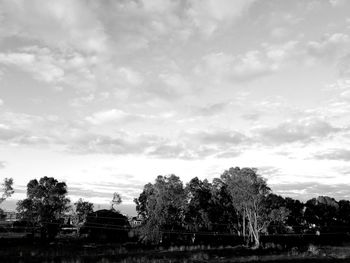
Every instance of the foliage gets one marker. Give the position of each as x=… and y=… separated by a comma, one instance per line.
x=248, y=191
x=322, y=212
x=7, y=189
x=83, y=208
x=197, y=213
x=45, y=204
x=276, y=214
x=161, y=205
x=117, y=200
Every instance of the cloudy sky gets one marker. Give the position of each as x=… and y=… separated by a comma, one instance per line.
x=106, y=95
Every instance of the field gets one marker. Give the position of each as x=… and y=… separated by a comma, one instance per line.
x=78, y=253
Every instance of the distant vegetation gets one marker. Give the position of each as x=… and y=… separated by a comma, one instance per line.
x=6, y=191
x=236, y=208
x=238, y=204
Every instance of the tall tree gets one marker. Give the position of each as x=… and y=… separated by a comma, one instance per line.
x=6, y=189
x=161, y=205
x=45, y=204
x=248, y=191
x=296, y=214
x=199, y=204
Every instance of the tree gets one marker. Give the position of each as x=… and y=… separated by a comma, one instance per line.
x=322, y=212
x=83, y=208
x=209, y=208
x=197, y=211
x=45, y=204
x=296, y=215
x=248, y=191
x=161, y=205
x=227, y=218
x=276, y=214
x=117, y=200
x=7, y=189
x=344, y=212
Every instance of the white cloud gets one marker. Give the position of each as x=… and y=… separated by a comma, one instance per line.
x=176, y=84
x=208, y=15
x=113, y=115
x=302, y=130
x=80, y=101
x=131, y=76
x=337, y=3
x=331, y=47
x=54, y=67
x=42, y=67
x=333, y=154
x=247, y=66
x=64, y=24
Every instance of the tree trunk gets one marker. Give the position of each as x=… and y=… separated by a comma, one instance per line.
x=244, y=231
x=253, y=229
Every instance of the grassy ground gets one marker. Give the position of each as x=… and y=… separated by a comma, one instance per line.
x=78, y=253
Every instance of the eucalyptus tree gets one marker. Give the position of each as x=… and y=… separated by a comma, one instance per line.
x=197, y=212
x=6, y=189
x=248, y=191
x=45, y=204
x=161, y=205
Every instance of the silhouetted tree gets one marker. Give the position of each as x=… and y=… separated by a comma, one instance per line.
x=198, y=205
x=276, y=214
x=322, y=212
x=344, y=213
x=225, y=215
x=117, y=200
x=82, y=209
x=45, y=204
x=296, y=214
x=6, y=189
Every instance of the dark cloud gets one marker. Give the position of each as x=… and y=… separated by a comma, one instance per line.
x=221, y=138
x=308, y=190
x=334, y=154
x=344, y=170
x=290, y=132
x=119, y=144
x=344, y=66
x=210, y=109
x=189, y=145
x=7, y=134
x=251, y=116
x=21, y=137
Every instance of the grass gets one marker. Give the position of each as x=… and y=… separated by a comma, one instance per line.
x=78, y=253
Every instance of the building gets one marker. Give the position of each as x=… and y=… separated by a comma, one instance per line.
x=135, y=221
x=10, y=216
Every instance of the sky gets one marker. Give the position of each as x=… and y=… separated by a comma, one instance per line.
x=107, y=95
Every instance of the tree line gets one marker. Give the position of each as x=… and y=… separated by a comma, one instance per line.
x=239, y=204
